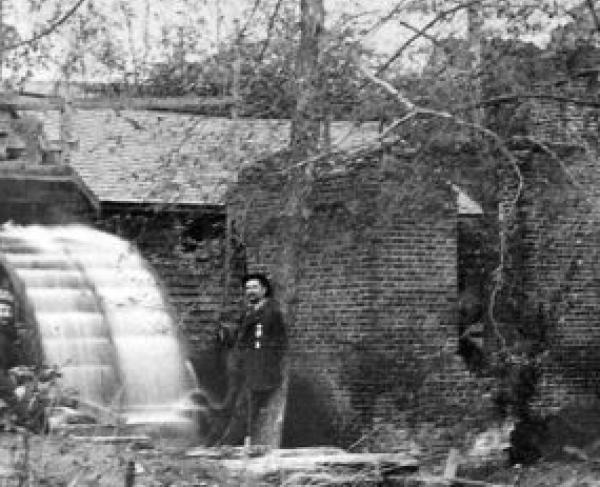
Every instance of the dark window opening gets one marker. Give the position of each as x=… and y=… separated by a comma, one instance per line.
x=476, y=261
x=197, y=230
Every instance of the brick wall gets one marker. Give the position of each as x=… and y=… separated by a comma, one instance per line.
x=560, y=272
x=564, y=119
x=554, y=250
x=554, y=257
x=365, y=266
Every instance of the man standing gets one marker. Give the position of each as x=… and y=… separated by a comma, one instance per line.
x=259, y=344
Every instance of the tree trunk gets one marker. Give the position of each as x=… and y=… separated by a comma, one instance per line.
x=475, y=25
x=304, y=137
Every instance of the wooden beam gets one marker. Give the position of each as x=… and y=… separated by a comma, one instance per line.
x=179, y=104
x=114, y=439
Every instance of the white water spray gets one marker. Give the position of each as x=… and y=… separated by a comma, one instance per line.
x=102, y=318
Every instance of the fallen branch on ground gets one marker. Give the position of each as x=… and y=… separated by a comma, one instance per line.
x=454, y=482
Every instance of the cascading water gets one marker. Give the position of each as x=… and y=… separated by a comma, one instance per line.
x=102, y=318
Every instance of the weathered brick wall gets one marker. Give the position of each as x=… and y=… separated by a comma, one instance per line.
x=554, y=247
x=560, y=272
x=364, y=262
x=563, y=116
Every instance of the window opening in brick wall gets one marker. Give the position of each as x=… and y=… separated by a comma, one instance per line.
x=195, y=231
x=472, y=278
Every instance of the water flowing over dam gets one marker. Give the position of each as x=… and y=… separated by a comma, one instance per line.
x=101, y=318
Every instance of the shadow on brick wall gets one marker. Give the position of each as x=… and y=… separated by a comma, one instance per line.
x=210, y=366
x=309, y=420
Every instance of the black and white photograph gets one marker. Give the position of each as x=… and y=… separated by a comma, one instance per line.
x=286, y=243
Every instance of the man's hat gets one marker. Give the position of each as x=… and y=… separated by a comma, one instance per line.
x=264, y=281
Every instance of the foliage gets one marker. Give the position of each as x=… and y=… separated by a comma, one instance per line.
x=30, y=392
x=266, y=82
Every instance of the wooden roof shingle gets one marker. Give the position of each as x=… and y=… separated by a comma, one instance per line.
x=164, y=157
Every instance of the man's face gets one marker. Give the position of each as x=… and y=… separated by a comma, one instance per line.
x=254, y=290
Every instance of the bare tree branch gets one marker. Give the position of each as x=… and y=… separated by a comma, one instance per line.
x=421, y=32
x=430, y=38
x=389, y=16
x=270, y=26
x=347, y=19
x=146, y=33
x=240, y=35
x=48, y=29
x=127, y=14
x=386, y=18
x=592, y=7
x=409, y=105
x=396, y=123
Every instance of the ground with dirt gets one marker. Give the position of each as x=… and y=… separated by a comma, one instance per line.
x=66, y=461
x=57, y=461
x=550, y=474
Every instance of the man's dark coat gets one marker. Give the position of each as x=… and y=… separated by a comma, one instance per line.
x=260, y=355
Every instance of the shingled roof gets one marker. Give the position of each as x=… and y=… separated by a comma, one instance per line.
x=164, y=157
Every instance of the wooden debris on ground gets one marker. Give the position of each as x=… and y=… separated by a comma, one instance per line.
x=296, y=466
x=328, y=466
x=113, y=439
x=441, y=481
x=449, y=478
x=452, y=462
